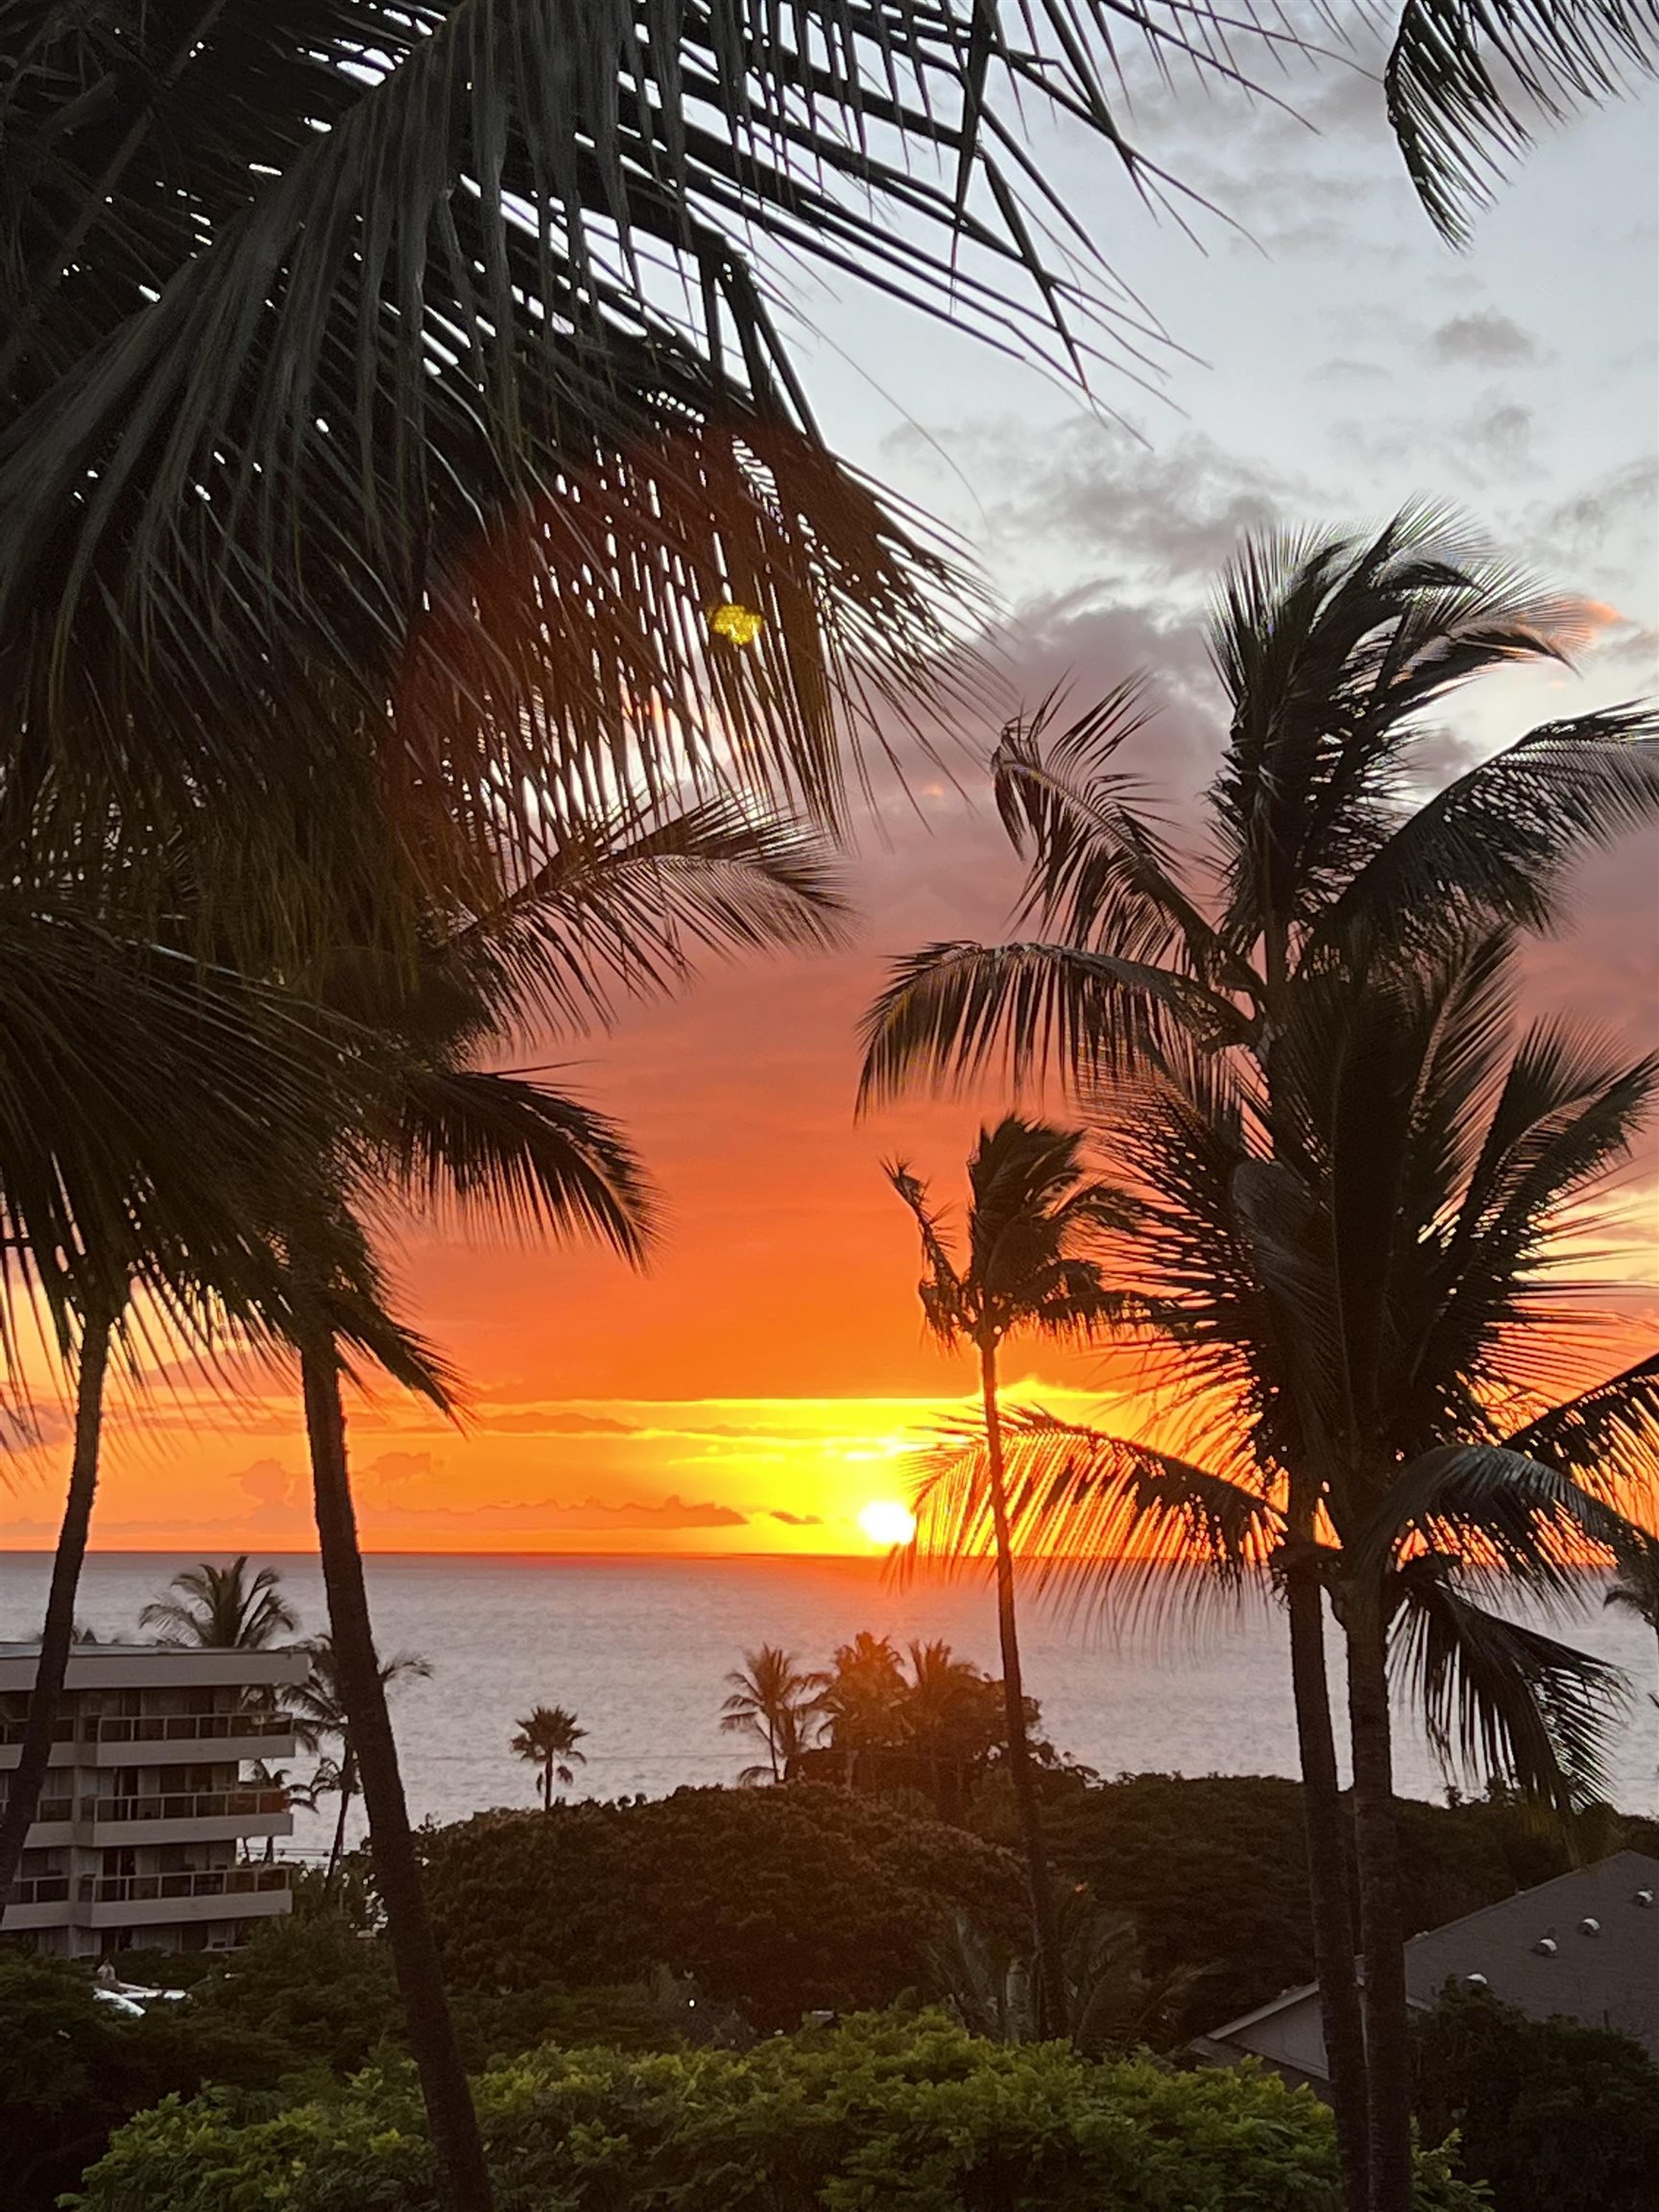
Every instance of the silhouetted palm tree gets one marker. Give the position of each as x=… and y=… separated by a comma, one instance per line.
x=1330, y=649
x=223, y=1608
x=773, y=1699
x=1383, y=1309
x=156, y=1115
x=320, y=1717
x=547, y=1739
x=1034, y=1213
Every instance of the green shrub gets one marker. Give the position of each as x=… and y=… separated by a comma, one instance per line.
x=886, y=2115
x=1555, y=2116
x=782, y=1901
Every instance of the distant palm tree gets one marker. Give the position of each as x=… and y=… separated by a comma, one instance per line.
x=776, y=1701
x=862, y=1699
x=1635, y=1587
x=320, y=1717
x=1033, y=1214
x=547, y=1738
x=262, y=1776
x=223, y=1608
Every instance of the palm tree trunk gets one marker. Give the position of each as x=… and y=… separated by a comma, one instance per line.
x=1331, y=1902
x=444, y=2086
x=1377, y=1867
x=57, y=1630
x=348, y=1790
x=1045, y=1923
x=547, y=1786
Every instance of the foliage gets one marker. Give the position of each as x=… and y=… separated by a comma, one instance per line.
x=223, y=1608
x=776, y=1701
x=1555, y=2116
x=1212, y=1870
x=883, y=2114
x=778, y=1901
x=546, y=1739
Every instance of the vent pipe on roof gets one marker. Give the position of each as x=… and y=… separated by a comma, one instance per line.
x=1545, y=1946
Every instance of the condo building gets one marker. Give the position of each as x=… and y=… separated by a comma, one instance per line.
x=152, y=1832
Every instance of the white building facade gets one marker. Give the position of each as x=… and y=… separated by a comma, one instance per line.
x=150, y=1835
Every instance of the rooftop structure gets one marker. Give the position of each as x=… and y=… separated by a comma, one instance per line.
x=1584, y=1946
x=146, y=1802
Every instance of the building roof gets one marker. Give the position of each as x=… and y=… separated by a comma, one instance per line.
x=153, y=1666
x=1585, y=1945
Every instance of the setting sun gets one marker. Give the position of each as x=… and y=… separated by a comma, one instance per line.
x=884, y=1521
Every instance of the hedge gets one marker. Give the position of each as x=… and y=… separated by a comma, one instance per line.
x=887, y=2113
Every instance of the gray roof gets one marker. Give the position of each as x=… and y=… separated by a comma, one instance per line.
x=1606, y=1975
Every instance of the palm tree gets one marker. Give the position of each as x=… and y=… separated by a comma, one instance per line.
x=223, y=1608
x=620, y=898
x=1033, y=1216
x=152, y=1109
x=320, y=1718
x=547, y=1738
x=1330, y=650
x=1384, y=1309
x=290, y=414
x=773, y=1699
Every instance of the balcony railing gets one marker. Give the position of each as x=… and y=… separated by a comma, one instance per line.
x=40, y=1890
x=184, y=1805
x=158, y=1727
x=50, y=1808
x=206, y=1882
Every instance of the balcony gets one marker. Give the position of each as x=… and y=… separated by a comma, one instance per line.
x=160, y=1728
x=184, y=1805
x=40, y=1890
x=204, y=1882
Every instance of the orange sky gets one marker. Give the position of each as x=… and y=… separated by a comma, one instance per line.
x=757, y=1387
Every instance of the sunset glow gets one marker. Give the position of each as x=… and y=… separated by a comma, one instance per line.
x=885, y=1521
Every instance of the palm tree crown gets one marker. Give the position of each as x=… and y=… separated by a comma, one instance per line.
x=223, y=1608
x=775, y=1700
x=547, y=1738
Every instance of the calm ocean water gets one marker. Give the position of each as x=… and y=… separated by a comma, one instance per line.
x=640, y=1648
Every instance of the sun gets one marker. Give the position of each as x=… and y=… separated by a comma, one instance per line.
x=884, y=1521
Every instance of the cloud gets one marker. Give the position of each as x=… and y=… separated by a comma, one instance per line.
x=798, y=1520
x=392, y=1470
x=528, y=1515
x=28, y=1426
x=269, y=1482
x=1486, y=340
x=536, y=1423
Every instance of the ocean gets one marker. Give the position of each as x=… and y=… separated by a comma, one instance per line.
x=640, y=1648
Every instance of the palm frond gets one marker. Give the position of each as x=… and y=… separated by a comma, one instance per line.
x=1464, y=76
x=1105, y=1525
x=1607, y=1437
x=1506, y=1700
x=951, y=1012
x=1494, y=845
x=1495, y=1509
x=503, y=1148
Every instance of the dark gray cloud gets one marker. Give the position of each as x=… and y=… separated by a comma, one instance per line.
x=798, y=1520
x=1485, y=338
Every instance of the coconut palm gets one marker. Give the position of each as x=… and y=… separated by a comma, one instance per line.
x=156, y=1114
x=862, y=1699
x=320, y=1718
x=1033, y=1214
x=547, y=1739
x=1330, y=649
x=621, y=898
x=1384, y=1310
x=378, y=351
x=773, y=1699
x=223, y=1608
